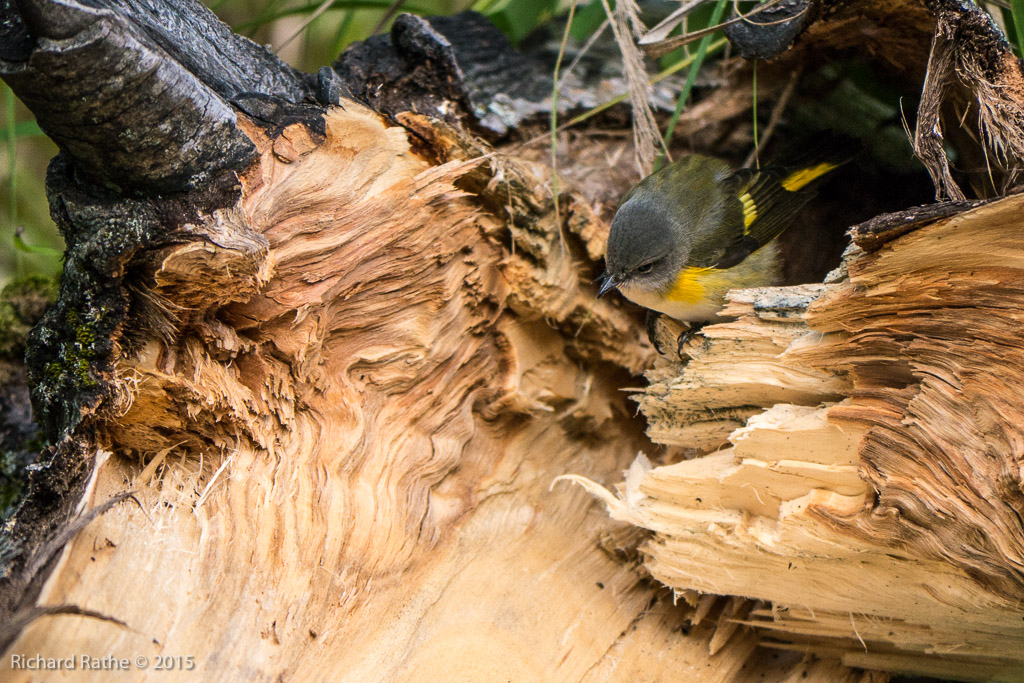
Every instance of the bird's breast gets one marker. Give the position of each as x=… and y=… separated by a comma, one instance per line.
x=698, y=294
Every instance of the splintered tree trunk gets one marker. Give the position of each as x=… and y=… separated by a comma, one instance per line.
x=339, y=465
x=338, y=362
x=338, y=349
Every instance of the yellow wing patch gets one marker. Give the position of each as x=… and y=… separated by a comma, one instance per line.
x=749, y=210
x=798, y=179
x=688, y=288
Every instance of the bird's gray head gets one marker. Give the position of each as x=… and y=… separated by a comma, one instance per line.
x=646, y=247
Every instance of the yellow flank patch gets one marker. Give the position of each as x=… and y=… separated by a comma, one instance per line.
x=749, y=209
x=688, y=288
x=798, y=179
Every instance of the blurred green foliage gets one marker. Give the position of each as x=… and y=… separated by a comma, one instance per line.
x=22, y=304
x=29, y=242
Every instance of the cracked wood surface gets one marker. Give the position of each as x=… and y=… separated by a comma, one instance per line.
x=343, y=446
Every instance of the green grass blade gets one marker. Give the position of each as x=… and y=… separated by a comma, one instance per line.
x=341, y=36
x=28, y=129
x=757, y=143
x=12, y=167
x=554, y=115
x=10, y=130
x=21, y=245
x=662, y=75
x=1017, y=10
x=691, y=76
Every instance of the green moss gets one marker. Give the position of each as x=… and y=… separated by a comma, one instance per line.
x=73, y=365
x=53, y=371
x=22, y=305
x=84, y=335
x=82, y=367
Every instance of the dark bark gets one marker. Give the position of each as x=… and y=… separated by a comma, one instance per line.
x=426, y=65
x=872, y=234
x=772, y=31
x=138, y=94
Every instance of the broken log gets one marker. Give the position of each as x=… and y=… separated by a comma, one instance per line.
x=336, y=369
x=337, y=348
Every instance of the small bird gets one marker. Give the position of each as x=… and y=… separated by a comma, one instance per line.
x=690, y=232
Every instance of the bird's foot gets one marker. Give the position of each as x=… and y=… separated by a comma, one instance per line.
x=651, y=323
x=662, y=330
x=686, y=336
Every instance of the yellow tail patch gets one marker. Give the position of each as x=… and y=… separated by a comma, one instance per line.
x=688, y=288
x=798, y=179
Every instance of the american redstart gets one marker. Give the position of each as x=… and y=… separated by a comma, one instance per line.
x=690, y=232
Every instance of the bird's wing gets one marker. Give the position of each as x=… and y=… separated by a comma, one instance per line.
x=768, y=198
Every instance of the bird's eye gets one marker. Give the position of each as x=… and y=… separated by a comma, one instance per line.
x=645, y=268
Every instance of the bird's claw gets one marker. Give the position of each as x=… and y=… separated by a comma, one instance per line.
x=651, y=323
x=686, y=336
x=669, y=327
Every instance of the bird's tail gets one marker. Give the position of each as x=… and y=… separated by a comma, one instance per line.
x=820, y=154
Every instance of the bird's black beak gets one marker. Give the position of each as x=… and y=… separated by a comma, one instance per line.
x=607, y=283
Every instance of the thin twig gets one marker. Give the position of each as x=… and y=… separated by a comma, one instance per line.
x=646, y=138
x=554, y=123
x=776, y=116
x=618, y=99
x=666, y=25
x=21, y=619
x=324, y=6
x=46, y=552
x=663, y=47
x=586, y=48
x=390, y=12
